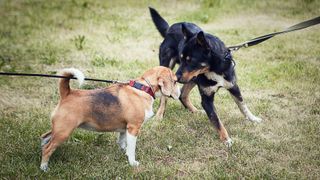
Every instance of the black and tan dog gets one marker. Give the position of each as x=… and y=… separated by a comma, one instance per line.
x=120, y=107
x=204, y=61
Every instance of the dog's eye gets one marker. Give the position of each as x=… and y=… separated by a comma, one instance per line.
x=181, y=55
x=188, y=58
x=203, y=64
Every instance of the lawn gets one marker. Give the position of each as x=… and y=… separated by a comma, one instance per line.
x=279, y=79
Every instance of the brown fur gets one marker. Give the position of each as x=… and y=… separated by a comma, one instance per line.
x=115, y=108
x=185, y=93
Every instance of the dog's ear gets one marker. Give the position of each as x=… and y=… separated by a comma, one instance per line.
x=164, y=86
x=201, y=40
x=186, y=33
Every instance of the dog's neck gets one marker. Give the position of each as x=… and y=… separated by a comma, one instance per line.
x=147, y=86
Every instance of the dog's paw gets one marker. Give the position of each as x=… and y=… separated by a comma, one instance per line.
x=254, y=119
x=134, y=163
x=228, y=142
x=44, y=167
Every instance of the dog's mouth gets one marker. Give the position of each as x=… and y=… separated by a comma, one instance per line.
x=191, y=76
x=184, y=81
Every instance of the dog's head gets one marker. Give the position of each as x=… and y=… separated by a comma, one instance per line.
x=164, y=82
x=198, y=54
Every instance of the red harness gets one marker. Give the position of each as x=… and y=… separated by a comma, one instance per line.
x=142, y=87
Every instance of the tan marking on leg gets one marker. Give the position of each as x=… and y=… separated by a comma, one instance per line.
x=224, y=136
x=185, y=91
x=223, y=133
x=162, y=107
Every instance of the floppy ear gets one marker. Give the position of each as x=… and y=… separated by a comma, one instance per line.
x=186, y=33
x=164, y=87
x=201, y=40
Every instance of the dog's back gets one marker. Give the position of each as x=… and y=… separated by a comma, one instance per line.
x=173, y=38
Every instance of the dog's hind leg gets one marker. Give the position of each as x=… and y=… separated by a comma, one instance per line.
x=60, y=133
x=184, y=97
x=237, y=97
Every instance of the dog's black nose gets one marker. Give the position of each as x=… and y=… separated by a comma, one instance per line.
x=179, y=75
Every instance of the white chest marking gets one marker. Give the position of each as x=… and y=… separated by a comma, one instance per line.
x=148, y=112
x=221, y=82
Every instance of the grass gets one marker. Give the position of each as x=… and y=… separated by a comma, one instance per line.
x=117, y=40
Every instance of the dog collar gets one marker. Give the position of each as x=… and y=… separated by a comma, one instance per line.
x=142, y=87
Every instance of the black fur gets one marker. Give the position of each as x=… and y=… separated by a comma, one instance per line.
x=101, y=101
x=185, y=43
x=173, y=38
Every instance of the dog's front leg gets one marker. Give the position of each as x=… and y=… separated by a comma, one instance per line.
x=131, y=137
x=237, y=97
x=184, y=97
x=208, y=106
x=162, y=107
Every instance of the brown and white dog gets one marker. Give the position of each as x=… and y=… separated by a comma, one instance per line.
x=121, y=107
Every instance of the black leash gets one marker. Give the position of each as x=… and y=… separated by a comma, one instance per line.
x=249, y=43
x=58, y=76
x=260, y=39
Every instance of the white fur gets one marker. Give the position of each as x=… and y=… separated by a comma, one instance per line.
x=131, y=149
x=245, y=111
x=221, y=82
x=44, y=166
x=228, y=142
x=177, y=92
x=148, y=113
x=76, y=73
x=172, y=62
x=158, y=94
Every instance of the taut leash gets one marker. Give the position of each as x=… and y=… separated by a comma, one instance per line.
x=58, y=76
x=260, y=39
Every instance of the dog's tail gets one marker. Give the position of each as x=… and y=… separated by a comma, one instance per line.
x=159, y=22
x=64, y=87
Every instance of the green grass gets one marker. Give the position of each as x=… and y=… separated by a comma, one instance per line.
x=117, y=40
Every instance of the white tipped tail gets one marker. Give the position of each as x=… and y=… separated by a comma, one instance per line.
x=75, y=73
x=64, y=87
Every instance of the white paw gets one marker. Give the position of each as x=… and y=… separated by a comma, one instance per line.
x=228, y=142
x=134, y=163
x=254, y=119
x=44, y=167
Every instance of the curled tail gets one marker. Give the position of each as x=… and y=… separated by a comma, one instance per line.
x=64, y=88
x=159, y=22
